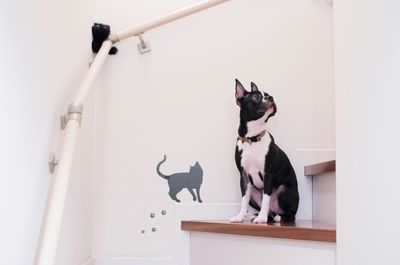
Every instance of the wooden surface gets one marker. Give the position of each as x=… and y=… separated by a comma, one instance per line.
x=320, y=168
x=302, y=230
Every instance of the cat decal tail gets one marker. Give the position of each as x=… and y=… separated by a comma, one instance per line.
x=158, y=168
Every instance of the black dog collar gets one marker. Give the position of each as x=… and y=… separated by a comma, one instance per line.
x=253, y=139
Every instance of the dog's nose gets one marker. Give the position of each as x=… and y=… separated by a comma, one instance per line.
x=269, y=97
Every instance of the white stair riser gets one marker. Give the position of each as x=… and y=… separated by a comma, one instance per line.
x=216, y=249
x=324, y=197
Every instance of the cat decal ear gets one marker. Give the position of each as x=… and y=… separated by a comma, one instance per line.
x=240, y=92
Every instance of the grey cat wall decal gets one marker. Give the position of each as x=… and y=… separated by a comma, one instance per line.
x=191, y=181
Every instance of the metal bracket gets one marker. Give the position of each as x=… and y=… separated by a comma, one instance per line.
x=53, y=162
x=74, y=113
x=143, y=46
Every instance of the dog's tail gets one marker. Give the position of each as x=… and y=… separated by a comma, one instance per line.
x=158, y=168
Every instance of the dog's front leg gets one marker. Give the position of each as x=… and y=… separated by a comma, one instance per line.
x=263, y=214
x=244, y=206
x=267, y=191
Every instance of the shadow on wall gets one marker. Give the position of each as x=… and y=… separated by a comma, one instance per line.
x=191, y=181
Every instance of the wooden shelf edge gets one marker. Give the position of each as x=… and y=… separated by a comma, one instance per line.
x=302, y=230
x=320, y=168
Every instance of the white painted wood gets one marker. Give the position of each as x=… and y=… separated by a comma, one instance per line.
x=215, y=249
x=212, y=211
x=324, y=197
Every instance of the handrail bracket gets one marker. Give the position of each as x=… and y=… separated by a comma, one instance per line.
x=74, y=113
x=143, y=46
x=53, y=162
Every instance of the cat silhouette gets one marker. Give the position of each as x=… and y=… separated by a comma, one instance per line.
x=191, y=181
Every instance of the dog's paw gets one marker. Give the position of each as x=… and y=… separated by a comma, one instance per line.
x=261, y=219
x=277, y=218
x=237, y=219
x=250, y=217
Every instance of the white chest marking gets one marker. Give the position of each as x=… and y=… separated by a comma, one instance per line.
x=253, y=158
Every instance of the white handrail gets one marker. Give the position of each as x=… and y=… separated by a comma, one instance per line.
x=93, y=71
x=48, y=242
x=184, y=12
x=55, y=208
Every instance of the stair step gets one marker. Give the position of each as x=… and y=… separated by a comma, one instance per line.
x=302, y=230
x=320, y=168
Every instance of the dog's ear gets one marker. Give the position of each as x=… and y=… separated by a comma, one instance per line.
x=253, y=87
x=240, y=92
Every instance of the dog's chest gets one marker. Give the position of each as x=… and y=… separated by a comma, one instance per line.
x=253, y=158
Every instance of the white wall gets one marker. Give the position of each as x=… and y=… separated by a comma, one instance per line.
x=367, y=57
x=45, y=52
x=179, y=100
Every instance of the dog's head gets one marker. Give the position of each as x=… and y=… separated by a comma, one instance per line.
x=255, y=104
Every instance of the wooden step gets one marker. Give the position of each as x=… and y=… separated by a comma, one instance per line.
x=302, y=230
x=320, y=168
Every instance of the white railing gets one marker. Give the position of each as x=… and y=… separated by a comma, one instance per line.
x=47, y=246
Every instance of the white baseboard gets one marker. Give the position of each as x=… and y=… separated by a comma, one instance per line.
x=88, y=261
x=181, y=254
x=133, y=261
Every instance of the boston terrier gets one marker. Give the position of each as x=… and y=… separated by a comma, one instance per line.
x=267, y=179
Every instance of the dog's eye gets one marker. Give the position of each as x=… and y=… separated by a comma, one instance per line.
x=257, y=98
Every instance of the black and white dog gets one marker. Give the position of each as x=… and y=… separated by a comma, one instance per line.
x=268, y=181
